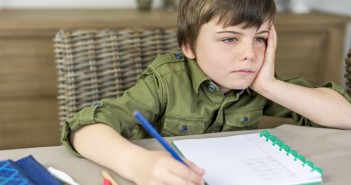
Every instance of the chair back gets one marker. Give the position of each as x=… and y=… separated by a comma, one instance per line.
x=93, y=64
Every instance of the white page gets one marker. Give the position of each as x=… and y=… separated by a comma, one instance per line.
x=245, y=159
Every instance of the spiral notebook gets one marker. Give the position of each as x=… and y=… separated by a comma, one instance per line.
x=258, y=158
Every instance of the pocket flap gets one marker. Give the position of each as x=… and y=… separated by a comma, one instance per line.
x=175, y=126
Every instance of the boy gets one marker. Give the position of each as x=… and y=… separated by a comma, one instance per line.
x=224, y=82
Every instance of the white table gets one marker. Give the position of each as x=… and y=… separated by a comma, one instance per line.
x=329, y=149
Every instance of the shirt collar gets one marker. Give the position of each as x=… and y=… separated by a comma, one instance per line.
x=197, y=75
x=248, y=91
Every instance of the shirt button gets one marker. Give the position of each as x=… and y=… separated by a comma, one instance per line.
x=245, y=120
x=178, y=55
x=95, y=104
x=184, y=128
x=211, y=88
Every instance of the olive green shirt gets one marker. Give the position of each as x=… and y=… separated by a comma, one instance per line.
x=179, y=99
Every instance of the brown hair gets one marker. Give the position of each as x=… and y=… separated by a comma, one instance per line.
x=192, y=14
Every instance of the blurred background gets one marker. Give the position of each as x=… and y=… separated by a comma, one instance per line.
x=314, y=37
x=341, y=7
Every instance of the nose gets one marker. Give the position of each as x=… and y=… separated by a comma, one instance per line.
x=248, y=53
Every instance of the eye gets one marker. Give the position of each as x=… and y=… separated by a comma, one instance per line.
x=261, y=39
x=230, y=40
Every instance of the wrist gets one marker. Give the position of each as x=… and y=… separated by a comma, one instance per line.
x=265, y=88
x=134, y=157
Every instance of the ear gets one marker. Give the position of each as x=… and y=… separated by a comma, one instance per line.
x=188, y=52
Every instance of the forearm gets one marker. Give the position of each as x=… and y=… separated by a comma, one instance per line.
x=320, y=105
x=103, y=145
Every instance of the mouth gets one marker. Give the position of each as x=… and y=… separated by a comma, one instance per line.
x=244, y=72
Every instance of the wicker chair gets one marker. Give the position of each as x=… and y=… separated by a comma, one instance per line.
x=95, y=64
x=348, y=72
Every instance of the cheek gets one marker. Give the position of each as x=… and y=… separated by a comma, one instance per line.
x=260, y=53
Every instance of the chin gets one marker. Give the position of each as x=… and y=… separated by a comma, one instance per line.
x=244, y=85
x=239, y=83
x=241, y=86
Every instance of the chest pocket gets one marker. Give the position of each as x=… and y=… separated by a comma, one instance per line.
x=175, y=126
x=241, y=120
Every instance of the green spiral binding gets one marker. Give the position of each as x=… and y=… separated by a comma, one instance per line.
x=286, y=148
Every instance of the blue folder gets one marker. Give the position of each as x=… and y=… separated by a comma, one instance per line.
x=26, y=171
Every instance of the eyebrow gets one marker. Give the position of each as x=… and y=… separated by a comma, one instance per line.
x=235, y=32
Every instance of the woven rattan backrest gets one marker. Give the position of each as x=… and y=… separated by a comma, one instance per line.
x=95, y=64
x=348, y=72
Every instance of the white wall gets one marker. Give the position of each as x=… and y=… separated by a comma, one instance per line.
x=336, y=6
x=18, y=4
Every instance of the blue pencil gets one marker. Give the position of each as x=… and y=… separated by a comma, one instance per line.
x=152, y=131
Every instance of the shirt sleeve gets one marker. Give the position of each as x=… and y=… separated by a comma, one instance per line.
x=276, y=110
x=146, y=96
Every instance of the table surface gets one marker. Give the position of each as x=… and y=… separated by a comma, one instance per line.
x=329, y=149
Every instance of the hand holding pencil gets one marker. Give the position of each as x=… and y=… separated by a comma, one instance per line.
x=153, y=132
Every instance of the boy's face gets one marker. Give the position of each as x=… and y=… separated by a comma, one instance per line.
x=230, y=56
